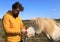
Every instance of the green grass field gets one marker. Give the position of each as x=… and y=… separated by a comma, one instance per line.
x=27, y=23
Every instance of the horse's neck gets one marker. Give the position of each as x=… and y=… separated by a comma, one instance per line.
x=49, y=29
x=56, y=30
x=56, y=33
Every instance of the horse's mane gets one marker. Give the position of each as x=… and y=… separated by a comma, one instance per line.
x=41, y=24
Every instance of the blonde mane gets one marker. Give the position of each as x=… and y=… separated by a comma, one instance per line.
x=41, y=24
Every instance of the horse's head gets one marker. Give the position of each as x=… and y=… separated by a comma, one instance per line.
x=37, y=26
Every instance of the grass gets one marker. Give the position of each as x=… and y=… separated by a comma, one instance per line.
x=37, y=38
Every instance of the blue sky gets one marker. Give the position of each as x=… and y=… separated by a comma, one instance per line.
x=33, y=8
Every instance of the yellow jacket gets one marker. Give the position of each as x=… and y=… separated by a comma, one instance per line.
x=12, y=27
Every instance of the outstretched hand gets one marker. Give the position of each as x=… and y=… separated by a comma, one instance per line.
x=29, y=32
x=24, y=30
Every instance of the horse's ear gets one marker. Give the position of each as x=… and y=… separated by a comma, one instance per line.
x=33, y=18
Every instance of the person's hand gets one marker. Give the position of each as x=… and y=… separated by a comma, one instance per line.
x=23, y=31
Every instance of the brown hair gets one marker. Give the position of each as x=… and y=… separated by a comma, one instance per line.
x=17, y=5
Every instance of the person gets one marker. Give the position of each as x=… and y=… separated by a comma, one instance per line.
x=12, y=23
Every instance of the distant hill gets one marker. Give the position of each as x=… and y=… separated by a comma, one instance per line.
x=29, y=20
x=57, y=19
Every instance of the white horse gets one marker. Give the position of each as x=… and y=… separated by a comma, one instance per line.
x=48, y=26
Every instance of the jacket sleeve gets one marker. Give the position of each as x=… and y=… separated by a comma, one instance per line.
x=6, y=26
x=21, y=24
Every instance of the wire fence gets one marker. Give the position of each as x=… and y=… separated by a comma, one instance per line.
x=34, y=39
x=31, y=39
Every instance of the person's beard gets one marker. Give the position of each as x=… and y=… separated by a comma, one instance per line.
x=15, y=15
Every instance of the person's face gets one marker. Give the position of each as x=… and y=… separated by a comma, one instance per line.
x=16, y=11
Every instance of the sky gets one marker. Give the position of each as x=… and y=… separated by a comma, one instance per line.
x=33, y=8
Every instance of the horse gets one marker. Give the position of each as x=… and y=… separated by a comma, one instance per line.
x=48, y=26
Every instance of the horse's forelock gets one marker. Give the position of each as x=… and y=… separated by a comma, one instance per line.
x=38, y=23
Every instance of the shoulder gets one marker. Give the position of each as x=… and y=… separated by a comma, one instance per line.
x=6, y=16
x=9, y=13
